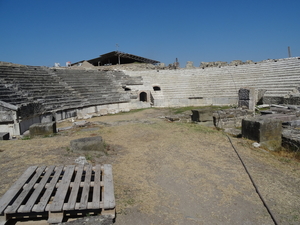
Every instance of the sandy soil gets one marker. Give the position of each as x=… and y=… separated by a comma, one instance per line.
x=171, y=172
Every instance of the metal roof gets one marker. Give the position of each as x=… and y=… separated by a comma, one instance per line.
x=116, y=57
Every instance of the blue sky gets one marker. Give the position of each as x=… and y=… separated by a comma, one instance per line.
x=43, y=32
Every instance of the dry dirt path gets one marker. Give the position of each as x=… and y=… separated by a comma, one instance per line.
x=172, y=173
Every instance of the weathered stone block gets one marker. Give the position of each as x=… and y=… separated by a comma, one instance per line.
x=38, y=129
x=4, y=136
x=202, y=115
x=88, y=144
x=244, y=94
x=273, y=100
x=267, y=132
x=281, y=117
x=294, y=100
x=244, y=103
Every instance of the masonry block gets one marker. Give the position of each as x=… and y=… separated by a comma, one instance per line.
x=244, y=103
x=44, y=129
x=244, y=94
x=265, y=131
x=88, y=144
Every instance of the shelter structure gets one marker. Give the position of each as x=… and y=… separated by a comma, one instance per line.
x=117, y=57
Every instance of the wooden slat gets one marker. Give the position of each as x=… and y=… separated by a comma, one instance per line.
x=44, y=200
x=11, y=193
x=28, y=206
x=56, y=190
x=13, y=208
x=75, y=188
x=108, y=189
x=62, y=190
x=97, y=188
x=86, y=188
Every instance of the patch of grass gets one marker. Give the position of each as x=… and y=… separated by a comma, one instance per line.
x=26, y=138
x=189, y=108
x=182, y=109
x=129, y=201
x=285, y=160
x=88, y=157
x=49, y=135
x=198, y=127
x=286, y=156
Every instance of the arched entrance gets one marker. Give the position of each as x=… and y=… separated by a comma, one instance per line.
x=143, y=97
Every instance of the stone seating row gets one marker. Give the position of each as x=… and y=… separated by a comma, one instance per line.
x=277, y=77
x=53, y=92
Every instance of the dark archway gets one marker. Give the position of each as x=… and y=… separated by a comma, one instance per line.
x=143, y=97
x=156, y=88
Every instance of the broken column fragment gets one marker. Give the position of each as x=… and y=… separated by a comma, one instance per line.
x=265, y=131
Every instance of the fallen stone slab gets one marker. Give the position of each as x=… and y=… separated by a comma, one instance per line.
x=64, y=128
x=4, y=136
x=265, y=112
x=291, y=139
x=80, y=123
x=282, y=110
x=281, y=117
x=265, y=131
x=279, y=106
x=262, y=106
x=294, y=107
x=44, y=129
x=88, y=144
x=293, y=123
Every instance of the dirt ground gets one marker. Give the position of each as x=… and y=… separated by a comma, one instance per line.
x=171, y=173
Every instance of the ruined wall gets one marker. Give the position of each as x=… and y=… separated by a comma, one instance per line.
x=61, y=94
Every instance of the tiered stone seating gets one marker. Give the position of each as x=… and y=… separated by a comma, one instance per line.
x=28, y=84
x=278, y=77
x=97, y=87
x=62, y=88
x=10, y=96
x=67, y=88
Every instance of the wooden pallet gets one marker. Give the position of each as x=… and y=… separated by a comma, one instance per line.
x=56, y=192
